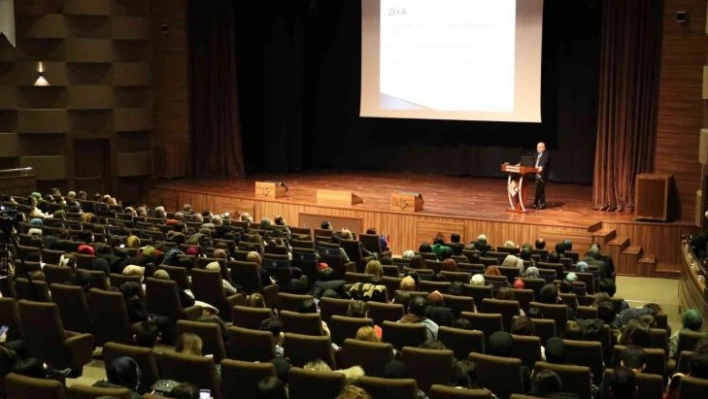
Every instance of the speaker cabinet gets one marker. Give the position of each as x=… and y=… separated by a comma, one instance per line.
x=651, y=198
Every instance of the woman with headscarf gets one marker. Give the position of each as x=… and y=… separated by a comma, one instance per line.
x=122, y=372
x=692, y=321
x=531, y=272
x=513, y=261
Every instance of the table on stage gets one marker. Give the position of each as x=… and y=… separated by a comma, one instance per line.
x=515, y=185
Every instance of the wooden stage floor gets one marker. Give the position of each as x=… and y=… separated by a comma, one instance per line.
x=452, y=204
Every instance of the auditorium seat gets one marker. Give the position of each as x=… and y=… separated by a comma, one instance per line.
x=116, y=280
x=380, y=312
x=478, y=293
x=73, y=308
x=57, y=274
x=333, y=306
x=458, y=304
x=525, y=297
x=585, y=353
x=488, y=323
x=371, y=356
x=291, y=302
x=301, y=349
x=428, y=366
x=20, y=387
x=439, y=391
x=508, y=309
x=656, y=359
x=240, y=379
x=527, y=349
x=210, y=333
x=247, y=317
x=207, y=287
x=557, y=313
x=311, y=384
x=500, y=375
x=250, y=345
x=462, y=277
x=576, y=379
x=198, y=370
x=343, y=327
x=163, y=299
x=110, y=317
x=387, y=388
x=461, y=342
x=403, y=334
x=10, y=316
x=144, y=357
x=649, y=386
x=37, y=291
x=177, y=274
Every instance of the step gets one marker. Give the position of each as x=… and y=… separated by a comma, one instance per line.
x=595, y=227
x=648, y=259
x=604, y=235
x=635, y=250
x=669, y=268
x=620, y=242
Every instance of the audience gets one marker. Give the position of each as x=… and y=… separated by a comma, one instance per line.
x=417, y=314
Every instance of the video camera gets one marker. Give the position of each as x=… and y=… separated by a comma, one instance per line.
x=9, y=219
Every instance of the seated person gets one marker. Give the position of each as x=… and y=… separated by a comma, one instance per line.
x=122, y=372
x=191, y=344
x=437, y=311
x=417, y=314
x=229, y=289
x=692, y=321
x=549, y=295
x=359, y=308
x=309, y=306
x=275, y=327
x=548, y=384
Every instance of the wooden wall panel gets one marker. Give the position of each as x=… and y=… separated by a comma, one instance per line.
x=427, y=229
x=680, y=106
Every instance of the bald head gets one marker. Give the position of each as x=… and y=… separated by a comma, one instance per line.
x=541, y=147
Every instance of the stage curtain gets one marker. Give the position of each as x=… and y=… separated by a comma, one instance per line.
x=629, y=91
x=216, y=128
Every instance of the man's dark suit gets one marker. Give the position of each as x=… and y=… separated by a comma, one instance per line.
x=541, y=160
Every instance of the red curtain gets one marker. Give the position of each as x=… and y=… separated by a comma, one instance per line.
x=217, y=150
x=629, y=90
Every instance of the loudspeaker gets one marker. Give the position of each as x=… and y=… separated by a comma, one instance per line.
x=651, y=198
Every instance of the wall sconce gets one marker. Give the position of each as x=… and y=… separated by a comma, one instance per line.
x=41, y=81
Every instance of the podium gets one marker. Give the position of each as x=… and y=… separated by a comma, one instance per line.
x=406, y=202
x=336, y=197
x=270, y=189
x=515, y=185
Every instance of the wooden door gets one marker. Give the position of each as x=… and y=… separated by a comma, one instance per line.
x=92, y=166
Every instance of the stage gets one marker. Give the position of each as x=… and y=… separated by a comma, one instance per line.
x=468, y=206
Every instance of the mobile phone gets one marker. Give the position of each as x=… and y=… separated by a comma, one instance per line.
x=122, y=245
x=204, y=394
x=3, y=330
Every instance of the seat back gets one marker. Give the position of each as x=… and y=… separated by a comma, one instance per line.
x=73, y=307
x=10, y=316
x=207, y=287
x=430, y=286
x=386, y=388
x=371, y=242
x=649, y=386
x=380, y=312
x=333, y=306
x=43, y=331
x=110, y=317
x=558, y=313
x=461, y=342
x=163, y=299
x=687, y=340
x=352, y=278
x=403, y=334
x=297, y=323
x=693, y=388
x=585, y=353
x=210, y=333
x=683, y=361
x=57, y=274
x=534, y=284
x=458, y=304
x=291, y=302
x=656, y=359
x=438, y=391
x=428, y=366
x=478, y=293
x=250, y=345
x=586, y=312
x=525, y=297
x=371, y=356
x=116, y=280
x=301, y=382
x=488, y=323
x=576, y=379
x=144, y=357
x=37, y=291
x=98, y=279
x=343, y=327
x=247, y=317
x=19, y=387
x=500, y=375
x=177, y=274
x=462, y=277
x=508, y=309
x=198, y=370
x=510, y=272
x=301, y=349
x=240, y=379
x=526, y=348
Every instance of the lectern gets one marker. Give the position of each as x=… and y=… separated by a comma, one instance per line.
x=515, y=184
x=406, y=202
x=270, y=189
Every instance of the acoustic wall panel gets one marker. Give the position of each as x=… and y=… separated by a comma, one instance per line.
x=7, y=97
x=50, y=26
x=88, y=26
x=134, y=164
x=95, y=74
x=27, y=72
x=90, y=97
x=38, y=97
x=8, y=73
x=91, y=122
x=44, y=50
x=42, y=121
x=131, y=7
x=89, y=50
x=50, y=167
x=131, y=74
x=8, y=145
x=130, y=28
x=132, y=119
x=87, y=7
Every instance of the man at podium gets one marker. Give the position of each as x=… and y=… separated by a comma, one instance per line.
x=541, y=163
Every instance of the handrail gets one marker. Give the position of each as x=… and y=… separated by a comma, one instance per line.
x=27, y=169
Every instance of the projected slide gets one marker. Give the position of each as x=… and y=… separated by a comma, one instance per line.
x=476, y=60
x=448, y=55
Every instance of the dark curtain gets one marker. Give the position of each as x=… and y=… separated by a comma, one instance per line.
x=629, y=86
x=216, y=131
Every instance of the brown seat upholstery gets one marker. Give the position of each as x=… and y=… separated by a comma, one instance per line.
x=247, y=317
x=656, y=359
x=391, y=283
x=310, y=384
x=51, y=256
x=508, y=309
x=57, y=274
x=350, y=277
x=198, y=370
x=528, y=349
x=569, y=299
x=510, y=272
x=37, y=291
x=20, y=387
x=544, y=329
x=78, y=391
x=478, y=293
x=488, y=323
x=333, y=306
x=343, y=327
x=163, y=299
x=387, y=388
x=353, y=250
x=10, y=316
x=462, y=277
x=428, y=366
x=403, y=334
x=447, y=392
x=683, y=361
x=687, y=341
x=604, y=337
x=576, y=379
x=46, y=339
x=240, y=379
x=380, y=312
x=371, y=356
x=110, y=317
x=589, y=280
x=499, y=374
x=250, y=345
x=558, y=313
x=291, y=302
x=177, y=274
x=534, y=284
x=301, y=349
x=210, y=333
x=461, y=342
x=458, y=304
x=525, y=297
x=73, y=307
x=298, y=323
x=430, y=286
x=373, y=244
x=693, y=388
x=116, y=280
x=586, y=313
x=98, y=279
x=207, y=287
x=650, y=386
x=144, y=357
x=471, y=268
x=585, y=353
